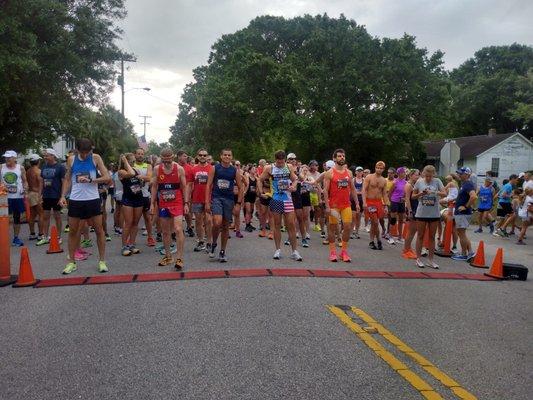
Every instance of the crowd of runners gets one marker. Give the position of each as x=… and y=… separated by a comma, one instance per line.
x=178, y=195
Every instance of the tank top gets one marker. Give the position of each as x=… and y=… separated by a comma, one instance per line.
x=252, y=185
x=399, y=192
x=132, y=188
x=143, y=168
x=168, y=187
x=224, y=181
x=12, y=179
x=281, y=181
x=358, y=185
x=119, y=190
x=485, y=197
x=339, y=189
x=83, y=191
x=414, y=203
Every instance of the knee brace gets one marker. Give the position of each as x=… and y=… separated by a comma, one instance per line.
x=393, y=221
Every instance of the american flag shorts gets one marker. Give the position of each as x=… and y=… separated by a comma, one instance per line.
x=281, y=206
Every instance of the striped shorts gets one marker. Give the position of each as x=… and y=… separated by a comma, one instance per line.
x=281, y=206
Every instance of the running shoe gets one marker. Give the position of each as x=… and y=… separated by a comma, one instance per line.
x=305, y=243
x=262, y=233
x=67, y=229
x=283, y=229
x=380, y=245
x=17, y=242
x=190, y=232
x=173, y=250
x=287, y=242
x=270, y=236
x=470, y=256
x=208, y=248
x=459, y=257
x=333, y=256
x=144, y=232
x=409, y=254
x=222, y=256
x=248, y=228
x=165, y=261
x=399, y=240
x=134, y=249
x=432, y=264
x=277, y=254
x=390, y=240
x=107, y=238
x=86, y=243
x=372, y=245
x=69, y=268
x=239, y=234
x=419, y=263
x=454, y=250
x=102, y=266
x=178, y=264
x=478, y=230
x=150, y=242
x=491, y=227
x=126, y=251
x=322, y=234
x=42, y=242
x=367, y=229
x=32, y=236
x=424, y=252
x=325, y=242
x=158, y=238
x=118, y=231
x=308, y=236
x=345, y=257
x=199, y=247
x=296, y=256
x=80, y=255
x=213, y=247
x=356, y=234
x=352, y=235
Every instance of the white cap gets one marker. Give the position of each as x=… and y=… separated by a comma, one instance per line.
x=521, y=174
x=291, y=155
x=330, y=164
x=34, y=157
x=51, y=152
x=9, y=153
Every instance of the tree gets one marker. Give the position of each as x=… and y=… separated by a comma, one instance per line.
x=492, y=90
x=56, y=56
x=310, y=85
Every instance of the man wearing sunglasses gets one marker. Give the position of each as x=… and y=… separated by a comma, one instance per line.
x=200, y=174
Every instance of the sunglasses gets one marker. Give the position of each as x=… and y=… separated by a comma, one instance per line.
x=202, y=155
x=291, y=159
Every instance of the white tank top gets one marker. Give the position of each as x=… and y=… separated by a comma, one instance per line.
x=143, y=168
x=12, y=179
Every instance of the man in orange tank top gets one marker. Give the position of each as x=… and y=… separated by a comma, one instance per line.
x=338, y=190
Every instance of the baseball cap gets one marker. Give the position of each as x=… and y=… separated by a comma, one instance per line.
x=9, y=153
x=463, y=170
x=359, y=168
x=51, y=152
x=313, y=162
x=521, y=174
x=34, y=157
x=401, y=170
x=291, y=155
x=330, y=164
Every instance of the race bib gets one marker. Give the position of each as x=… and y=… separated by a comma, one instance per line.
x=284, y=184
x=306, y=187
x=483, y=199
x=168, y=195
x=85, y=175
x=342, y=183
x=12, y=188
x=136, y=189
x=429, y=201
x=372, y=209
x=47, y=183
x=223, y=184
x=201, y=178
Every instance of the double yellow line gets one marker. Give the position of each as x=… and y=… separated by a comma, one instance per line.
x=372, y=328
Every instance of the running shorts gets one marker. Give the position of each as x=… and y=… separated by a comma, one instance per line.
x=345, y=214
x=374, y=209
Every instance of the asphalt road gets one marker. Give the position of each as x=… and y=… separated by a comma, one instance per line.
x=265, y=338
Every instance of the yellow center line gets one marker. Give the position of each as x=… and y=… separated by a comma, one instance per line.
x=402, y=369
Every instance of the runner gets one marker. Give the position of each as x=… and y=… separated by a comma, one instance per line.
x=397, y=201
x=427, y=191
x=486, y=195
x=84, y=202
x=132, y=202
x=250, y=197
x=463, y=214
x=183, y=159
x=307, y=183
x=338, y=190
x=51, y=184
x=296, y=196
x=202, y=220
x=170, y=193
x=391, y=172
x=283, y=183
x=525, y=213
x=238, y=205
x=411, y=205
x=315, y=195
x=145, y=174
x=118, y=218
x=111, y=190
x=102, y=190
x=220, y=201
x=265, y=195
x=374, y=191
x=33, y=175
x=366, y=172
x=505, y=208
x=14, y=179
x=356, y=212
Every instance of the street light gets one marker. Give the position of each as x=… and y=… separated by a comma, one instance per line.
x=146, y=89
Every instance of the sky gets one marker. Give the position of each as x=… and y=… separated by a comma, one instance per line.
x=172, y=37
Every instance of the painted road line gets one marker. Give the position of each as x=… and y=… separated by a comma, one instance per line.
x=402, y=369
x=420, y=360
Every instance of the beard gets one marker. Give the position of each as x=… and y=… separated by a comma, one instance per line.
x=340, y=162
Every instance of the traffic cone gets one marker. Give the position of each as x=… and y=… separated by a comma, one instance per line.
x=496, y=270
x=54, y=246
x=448, y=231
x=26, y=277
x=479, y=259
x=5, y=256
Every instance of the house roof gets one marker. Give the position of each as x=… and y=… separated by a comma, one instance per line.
x=471, y=146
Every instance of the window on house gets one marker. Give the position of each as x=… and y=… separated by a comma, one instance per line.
x=495, y=167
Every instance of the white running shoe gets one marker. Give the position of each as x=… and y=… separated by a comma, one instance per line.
x=277, y=254
x=367, y=228
x=424, y=252
x=432, y=264
x=296, y=256
x=390, y=240
x=419, y=263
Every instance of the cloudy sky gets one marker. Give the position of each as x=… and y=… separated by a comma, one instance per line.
x=172, y=37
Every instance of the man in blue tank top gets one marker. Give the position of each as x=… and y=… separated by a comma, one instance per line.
x=84, y=201
x=220, y=200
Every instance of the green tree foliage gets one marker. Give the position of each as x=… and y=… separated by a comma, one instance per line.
x=493, y=90
x=56, y=58
x=311, y=84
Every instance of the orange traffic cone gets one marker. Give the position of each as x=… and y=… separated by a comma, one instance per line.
x=496, y=270
x=26, y=277
x=448, y=232
x=479, y=259
x=54, y=246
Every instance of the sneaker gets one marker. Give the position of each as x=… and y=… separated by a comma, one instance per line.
x=325, y=242
x=80, y=255
x=372, y=245
x=126, y=251
x=91, y=229
x=248, y=228
x=297, y=235
x=69, y=268
x=287, y=242
x=478, y=230
x=296, y=256
x=283, y=229
x=199, y=247
x=107, y=238
x=419, y=263
x=345, y=257
x=213, y=247
x=470, y=257
x=307, y=236
x=333, y=256
x=305, y=243
x=270, y=236
x=496, y=234
x=399, y=240
x=118, y=231
x=238, y=234
x=424, y=252
x=432, y=264
x=521, y=242
x=503, y=233
x=178, y=265
x=459, y=257
x=222, y=256
x=356, y=235
x=190, y=232
x=322, y=234
x=134, y=249
x=17, y=242
x=86, y=243
x=173, y=250
x=277, y=254
x=409, y=254
x=150, y=242
x=43, y=241
x=262, y=233
x=380, y=245
x=67, y=229
x=352, y=235
x=367, y=229
x=32, y=236
x=208, y=248
x=144, y=232
x=491, y=227
x=102, y=266
x=390, y=240
x=158, y=238
x=165, y=261
x=454, y=250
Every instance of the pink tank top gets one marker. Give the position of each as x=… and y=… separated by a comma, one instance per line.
x=398, y=193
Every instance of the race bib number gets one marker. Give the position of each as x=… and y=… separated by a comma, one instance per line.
x=342, y=183
x=306, y=187
x=48, y=183
x=83, y=175
x=429, y=201
x=136, y=189
x=483, y=199
x=12, y=188
x=201, y=178
x=223, y=184
x=372, y=209
x=284, y=184
x=168, y=195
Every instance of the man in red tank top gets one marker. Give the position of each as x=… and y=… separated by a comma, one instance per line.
x=338, y=190
x=200, y=173
x=171, y=195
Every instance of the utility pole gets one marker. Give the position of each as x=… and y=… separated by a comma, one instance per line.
x=121, y=83
x=145, y=117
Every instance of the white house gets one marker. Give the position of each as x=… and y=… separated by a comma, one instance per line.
x=503, y=154
x=62, y=145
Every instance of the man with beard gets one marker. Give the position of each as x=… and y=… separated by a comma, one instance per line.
x=203, y=220
x=374, y=191
x=183, y=159
x=145, y=175
x=338, y=190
